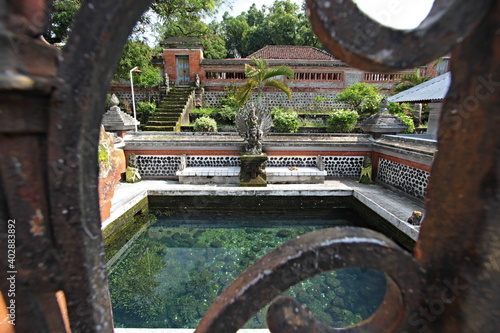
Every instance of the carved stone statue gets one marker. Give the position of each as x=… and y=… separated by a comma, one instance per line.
x=366, y=170
x=253, y=122
x=132, y=173
x=197, y=81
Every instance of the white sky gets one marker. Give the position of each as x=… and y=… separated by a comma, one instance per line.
x=401, y=14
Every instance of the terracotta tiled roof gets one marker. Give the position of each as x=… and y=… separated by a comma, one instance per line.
x=292, y=52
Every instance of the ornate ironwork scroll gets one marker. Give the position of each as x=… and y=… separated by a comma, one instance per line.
x=50, y=109
x=458, y=252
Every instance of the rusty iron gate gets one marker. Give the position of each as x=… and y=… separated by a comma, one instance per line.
x=50, y=112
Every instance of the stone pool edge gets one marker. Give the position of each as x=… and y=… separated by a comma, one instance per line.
x=389, y=205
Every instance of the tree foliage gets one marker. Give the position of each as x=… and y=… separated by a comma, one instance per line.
x=137, y=53
x=174, y=9
x=410, y=80
x=362, y=97
x=262, y=76
x=283, y=23
x=60, y=20
x=342, y=121
x=209, y=35
x=285, y=121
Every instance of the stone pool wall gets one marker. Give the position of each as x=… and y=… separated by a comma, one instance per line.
x=404, y=164
x=400, y=163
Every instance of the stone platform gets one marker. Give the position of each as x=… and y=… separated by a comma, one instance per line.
x=209, y=175
x=231, y=175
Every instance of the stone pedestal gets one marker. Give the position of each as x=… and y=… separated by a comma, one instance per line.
x=382, y=123
x=253, y=170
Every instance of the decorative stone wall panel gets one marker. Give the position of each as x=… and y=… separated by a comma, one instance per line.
x=343, y=166
x=139, y=96
x=288, y=161
x=158, y=165
x=300, y=100
x=213, y=161
x=405, y=178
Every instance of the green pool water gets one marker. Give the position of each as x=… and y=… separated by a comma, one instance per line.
x=177, y=268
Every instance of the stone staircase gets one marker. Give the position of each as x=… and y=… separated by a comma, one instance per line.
x=168, y=115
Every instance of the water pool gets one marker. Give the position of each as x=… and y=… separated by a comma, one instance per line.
x=175, y=270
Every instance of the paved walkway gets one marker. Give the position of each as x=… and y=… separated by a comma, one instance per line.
x=391, y=206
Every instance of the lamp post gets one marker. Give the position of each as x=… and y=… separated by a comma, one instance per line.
x=135, y=69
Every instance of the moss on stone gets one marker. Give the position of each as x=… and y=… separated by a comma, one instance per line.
x=103, y=153
x=119, y=231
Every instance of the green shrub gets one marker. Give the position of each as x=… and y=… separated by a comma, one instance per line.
x=312, y=122
x=205, y=111
x=205, y=124
x=408, y=121
x=395, y=108
x=146, y=110
x=404, y=112
x=285, y=121
x=361, y=96
x=342, y=121
x=229, y=99
x=228, y=114
x=320, y=98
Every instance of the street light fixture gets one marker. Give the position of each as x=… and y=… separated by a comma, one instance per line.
x=135, y=69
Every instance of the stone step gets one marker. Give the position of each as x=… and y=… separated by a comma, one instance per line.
x=170, y=107
x=169, y=110
x=159, y=128
x=167, y=114
x=162, y=123
x=165, y=117
x=173, y=102
x=176, y=94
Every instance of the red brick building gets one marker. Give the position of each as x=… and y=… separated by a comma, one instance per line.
x=315, y=70
x=182, y=59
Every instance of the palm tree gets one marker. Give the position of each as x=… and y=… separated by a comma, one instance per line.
x=262, y=76
x=410, y=80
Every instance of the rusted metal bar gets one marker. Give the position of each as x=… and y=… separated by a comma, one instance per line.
x=90, y=56
x=460, y=238
x=24, y=102
x=50, y=114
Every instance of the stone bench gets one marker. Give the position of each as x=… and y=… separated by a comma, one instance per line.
x=231, y=174
x=295, y=175
x=209, y=175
